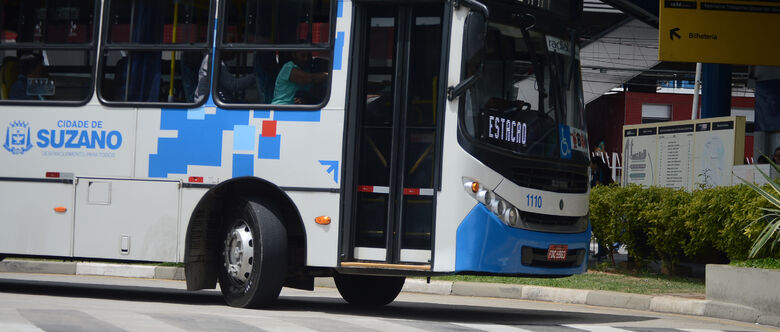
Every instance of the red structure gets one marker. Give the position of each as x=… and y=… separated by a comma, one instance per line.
x=607, y=115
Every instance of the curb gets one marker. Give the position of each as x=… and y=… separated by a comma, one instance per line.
x=38, y=267
x=99, y=269
x=663, y=304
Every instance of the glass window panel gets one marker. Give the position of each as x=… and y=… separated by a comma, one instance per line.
x=506, y=107
x=418, y=168
x=269, y=77
x=424, y=67
x=41, y=21
x=375, y=148
x=62, y=75
x=380, y=71
x=277, y=22
x=418, y=222
x=152, y=76
x=154, y=22
x=372, y=213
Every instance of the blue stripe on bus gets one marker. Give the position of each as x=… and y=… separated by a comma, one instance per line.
x=198, y=142
x=338, y=50
x=262, y=114
x=303, y=116
x=269, y=147
x=485, y=244
x=243, y=165
x=341, y=9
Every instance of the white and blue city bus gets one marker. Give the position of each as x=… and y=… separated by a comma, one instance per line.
x=264, y=143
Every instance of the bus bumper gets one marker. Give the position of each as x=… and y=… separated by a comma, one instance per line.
x=487, y=245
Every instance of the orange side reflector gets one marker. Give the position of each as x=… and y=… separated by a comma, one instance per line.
x=60, y=209
x=475, y=186
x=322, y=220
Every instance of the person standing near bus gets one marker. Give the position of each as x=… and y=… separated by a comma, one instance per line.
x=776, y=156
x=600, y=173
x=292, y=79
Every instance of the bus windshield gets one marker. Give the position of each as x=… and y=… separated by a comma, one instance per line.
x=530, y=88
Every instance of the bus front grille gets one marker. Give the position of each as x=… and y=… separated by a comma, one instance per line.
x=550, y=180
x=552, y=223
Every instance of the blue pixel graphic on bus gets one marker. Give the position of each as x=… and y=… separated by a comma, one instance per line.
x=199, y=138
x=199, y=141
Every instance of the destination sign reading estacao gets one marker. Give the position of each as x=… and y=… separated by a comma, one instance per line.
x=720, y=31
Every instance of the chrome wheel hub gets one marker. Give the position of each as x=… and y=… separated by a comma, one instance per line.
x=239, y=252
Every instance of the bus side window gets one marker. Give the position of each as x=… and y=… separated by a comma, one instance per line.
x=154, y=51
x=261, y=73
x=32, y=69
x=9, y=70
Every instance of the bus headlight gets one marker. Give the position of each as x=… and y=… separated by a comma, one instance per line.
x=498, y=206
x=505, y=211
x=484, y=196
x=511, y=216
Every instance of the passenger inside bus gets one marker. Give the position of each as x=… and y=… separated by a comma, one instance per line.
x=293, y=82
x=168, y=74
x=30, y=67
x=229, y=85
x=28, y=29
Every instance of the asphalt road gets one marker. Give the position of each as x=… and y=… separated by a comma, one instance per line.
x=38, y=302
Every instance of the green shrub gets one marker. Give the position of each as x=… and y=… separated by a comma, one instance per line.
x=667, y=232
x=770, y=221
x=637, y=205
x=739, y=230
x=761, y=263
x=604, y=216
x=705, y=225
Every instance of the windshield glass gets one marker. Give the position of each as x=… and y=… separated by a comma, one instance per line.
x=529, y=97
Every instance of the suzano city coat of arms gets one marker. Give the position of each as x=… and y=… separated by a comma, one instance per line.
x=17, y=137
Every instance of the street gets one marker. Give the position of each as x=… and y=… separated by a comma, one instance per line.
x=38, y=302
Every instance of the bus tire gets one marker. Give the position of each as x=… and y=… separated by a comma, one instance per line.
x=253, y=255
x=368, y=290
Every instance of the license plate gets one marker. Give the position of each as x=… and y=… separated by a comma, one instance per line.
x=557, y=252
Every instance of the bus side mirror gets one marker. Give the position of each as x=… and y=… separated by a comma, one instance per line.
x=474, y=35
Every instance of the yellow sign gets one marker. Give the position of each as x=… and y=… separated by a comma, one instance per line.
x=720, y=31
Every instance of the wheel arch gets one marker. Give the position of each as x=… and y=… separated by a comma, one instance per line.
x=203, y=229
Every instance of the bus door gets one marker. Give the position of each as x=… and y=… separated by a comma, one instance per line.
x=393, y=117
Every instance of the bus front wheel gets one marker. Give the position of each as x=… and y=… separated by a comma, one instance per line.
x=368, y=290
x=253, y=258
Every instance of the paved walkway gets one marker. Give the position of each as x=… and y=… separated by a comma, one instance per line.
x=665, y=304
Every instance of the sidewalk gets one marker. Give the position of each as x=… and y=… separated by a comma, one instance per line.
x=663, y=304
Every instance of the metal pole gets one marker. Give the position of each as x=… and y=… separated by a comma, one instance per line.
x=173, y=53
x=696, y=89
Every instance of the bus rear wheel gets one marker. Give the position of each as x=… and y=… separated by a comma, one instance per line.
x=253, y=257
x=368, y=290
